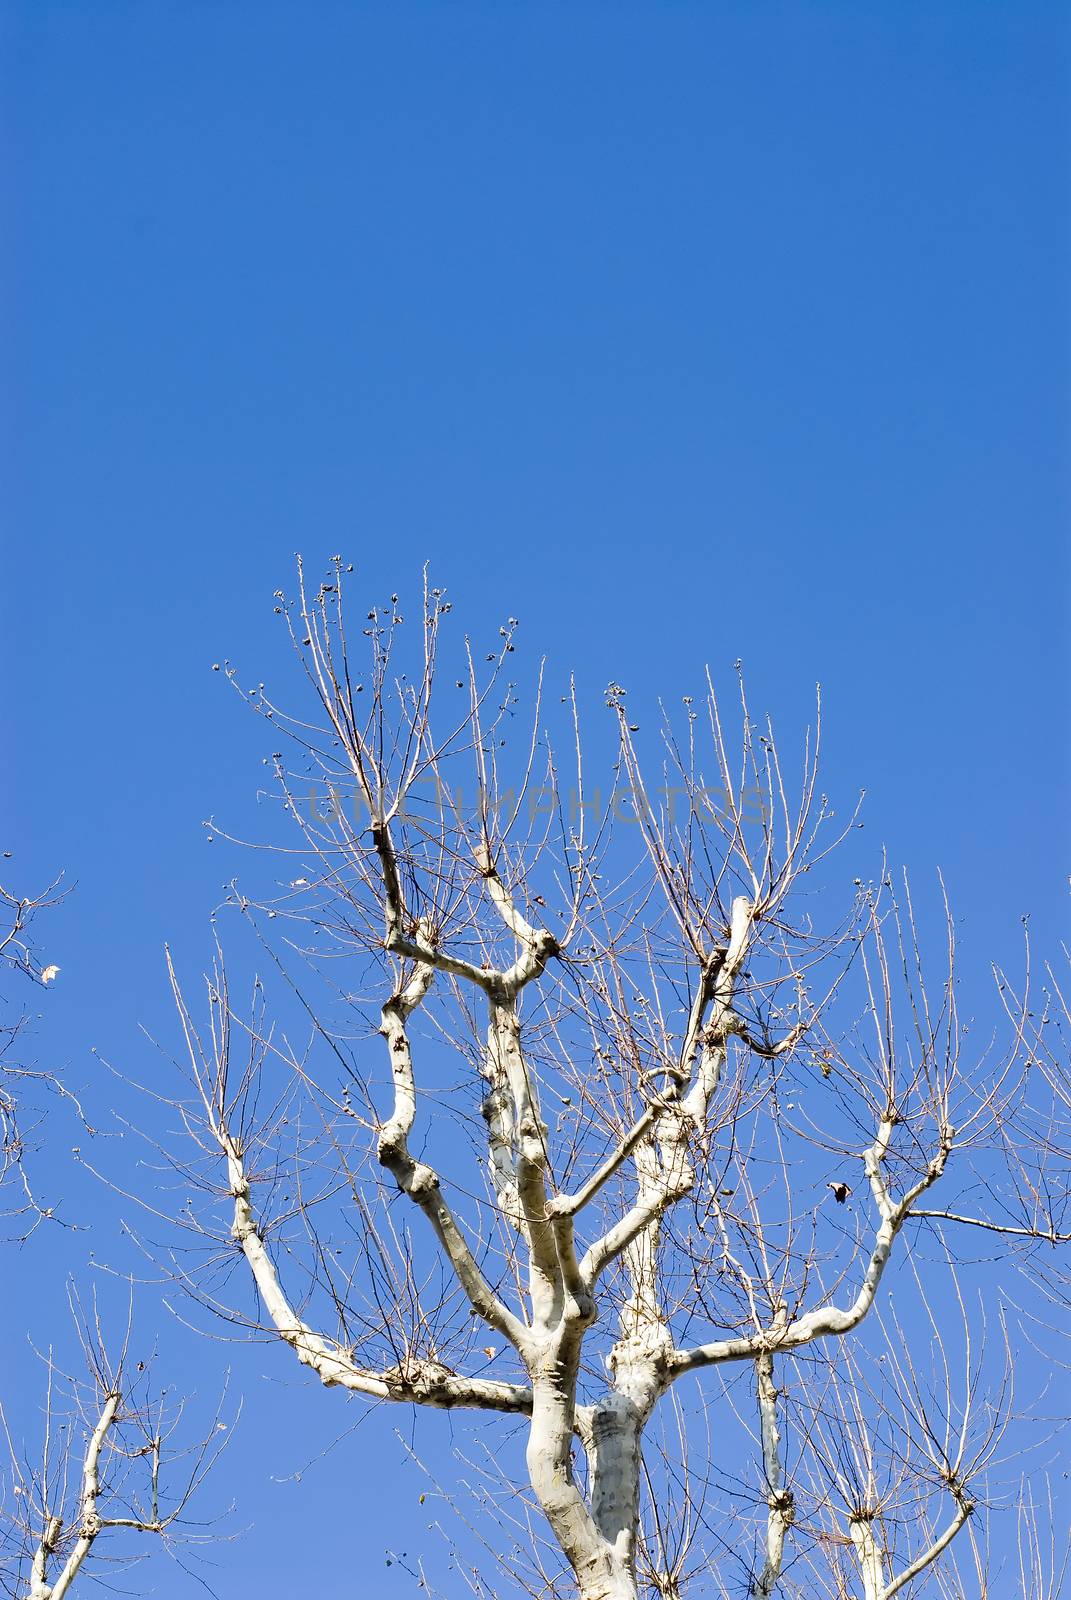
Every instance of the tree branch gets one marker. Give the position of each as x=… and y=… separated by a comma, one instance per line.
x=426, y=1383
x=964, y=1509
x=831, y=1319
x=420, y=1181
x=91, y=1522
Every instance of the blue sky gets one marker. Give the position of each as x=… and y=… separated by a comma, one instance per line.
x=682, y=331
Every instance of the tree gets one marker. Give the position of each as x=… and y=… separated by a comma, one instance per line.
x=109, y=1465
x=713, y=1118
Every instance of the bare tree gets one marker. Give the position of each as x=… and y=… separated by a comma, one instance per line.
x=712, y=1119
x=110, y=1466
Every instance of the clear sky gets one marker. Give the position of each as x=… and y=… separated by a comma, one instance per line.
x=683, y=331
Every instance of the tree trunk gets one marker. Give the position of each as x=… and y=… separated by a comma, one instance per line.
x=614, y=1456
x=602, y=1571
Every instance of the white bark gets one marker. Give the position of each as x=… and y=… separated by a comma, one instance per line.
x=420, y=1181
x=779, y=1500
x=550, y=1470
x=40, y=1588
x=869, y=1555
x=873, y=1558
x=91, y=1522
x=659, y=1148
x=964, y=1509
x=687, y=1103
